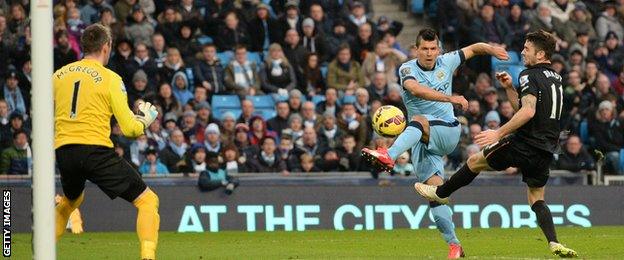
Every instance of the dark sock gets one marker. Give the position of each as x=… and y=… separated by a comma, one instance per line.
x=544, y=220
x=460, y=179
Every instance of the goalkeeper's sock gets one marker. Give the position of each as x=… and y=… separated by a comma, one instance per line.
x=148, y=223
x=406, y=140
x=63, y=210
x=461, y=178
x=544, y=220
x=442, y=216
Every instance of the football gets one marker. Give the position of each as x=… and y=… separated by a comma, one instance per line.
x=389, y=121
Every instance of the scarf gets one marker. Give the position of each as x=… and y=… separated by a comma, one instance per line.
x=357, y=21
x=199, y=167
x=344, y=66
x=380, y=66
x=547, y=21
x=140, y=61
x=292, y=22
x=363, y=109
x=211, y=148
x=309, y=43
x=276, y=68
x=14, y=99
x=179, y=150
x=269, y=159
x=349, y=119
x=330, y=133
x=231, y=167
x=243, y=75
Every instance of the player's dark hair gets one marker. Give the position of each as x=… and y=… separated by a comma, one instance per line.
x=543, y=41
x=94, y=37
x=426, y=34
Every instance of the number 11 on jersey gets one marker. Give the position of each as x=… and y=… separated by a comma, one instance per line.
x=556, y=93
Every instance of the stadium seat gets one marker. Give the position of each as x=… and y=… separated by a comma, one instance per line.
x=324, y=72
x=264, y=101
x=514, y=59
x=218, y=112
x=254, y=57
x=418, y=6
x=265, y=113
x=622, y=160
x=515, y=70
x=224, y=57
x=317, y=99
x=348, y=99
x=203, y=40
x=225, y=101
x=584, y=132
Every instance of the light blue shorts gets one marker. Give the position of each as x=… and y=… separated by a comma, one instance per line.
x=443, y=138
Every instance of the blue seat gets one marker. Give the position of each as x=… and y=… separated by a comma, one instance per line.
x=622, y=160
x=515, y=70
x=350, y=99
x=264, y=101
x=265, y=113
x=225, y=101
x=514, y=59
x=584, y=132
x=324, y=72
x=218, y=112
x=318, y=99
x=225, y=57
x=418, y=6
x=254, y=57
x=204, y=39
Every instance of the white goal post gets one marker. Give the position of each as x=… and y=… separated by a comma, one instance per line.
x=44, y=246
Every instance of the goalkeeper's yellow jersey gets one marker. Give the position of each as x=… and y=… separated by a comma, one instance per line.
x=86, y=95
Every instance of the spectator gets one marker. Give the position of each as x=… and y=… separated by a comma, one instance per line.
x=330, y=134
x=545, y=21
x=143, y=61
x=213, y=138
x=169, y=23
x=191, y=12
x=295, y=127
x=4, y=115
x=610, y=55
x=490, y=101
x=488, y=28
x=197, y=160
x=350, y=156
x=394, y=98
x=362, y=103
x=518, y=28
x=189, y=126
x=608, y=132
x=307, y=163
x=231, y=34
x=200, y=98
x=578, y=99
x=387, y=26
x=152, y=166
x=364, y=42
x=229, y=128
x=268, y=159
x=338, y=37
x=241, y=76
x=292, y=20
x=561, y=9
x=307, y=144
x=181, y=87
x=384, y=59
x=167, y=101
x=215, y=12
x=378, y=89
x=352, y=123
x=403, y=165
x=63, y=53
x=313, y=82
x=241, y=140
x=75, y=26
x=575, y=158
x=295, y=100
x=263, y=29
x=90, y=13
x=330, y=104
x=174, y=155
x=258, y=130
x=492, y=120
x=506, y=111
x=12, y=94
x=285, y=146
x=124, y=8
x=330, y=161
x=209, y=71
x=313, y=41
x=107, y=18
x=138, y=28
x=474, y=113
x=357, y=17
x=17, y=159
x=391, y=41
x=204, y=118
x=529, y=8
x=121, y=57
x=156, y=133
x=139, y=89
x=608, y=22
x=345, y=74
x=602, y=88
x=172, y=65
x=158, y=50
x=233, y=161
x=295, y=53
x=214, y=176
x=247, y=112
x=321, y=22
x=580, y=22
x=280, y=121
x=276, y=73
x=187, y=42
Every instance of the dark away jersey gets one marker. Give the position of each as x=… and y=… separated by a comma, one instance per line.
x=542, y=131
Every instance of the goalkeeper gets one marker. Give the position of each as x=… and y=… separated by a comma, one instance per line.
x=86, y=96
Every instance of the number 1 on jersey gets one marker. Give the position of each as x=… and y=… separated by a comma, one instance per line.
x=74, y=100
x=556, y=93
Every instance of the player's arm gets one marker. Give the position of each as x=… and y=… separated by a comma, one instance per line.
x=131, y=125
x=430, y=94
x=524, y=114
x=482, y=48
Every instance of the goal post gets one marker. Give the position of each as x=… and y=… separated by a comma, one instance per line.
x=43, y=183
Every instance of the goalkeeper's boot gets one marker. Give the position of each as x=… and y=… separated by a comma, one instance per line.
x=455, y=251
x=379, y=159
x=429, y=192
x=561, y=250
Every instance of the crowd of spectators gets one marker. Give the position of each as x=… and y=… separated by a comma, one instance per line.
x=327, y=67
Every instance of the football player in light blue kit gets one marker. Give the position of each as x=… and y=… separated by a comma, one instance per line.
x=433, y=131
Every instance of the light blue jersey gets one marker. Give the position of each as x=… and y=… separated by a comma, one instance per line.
x=440, y=79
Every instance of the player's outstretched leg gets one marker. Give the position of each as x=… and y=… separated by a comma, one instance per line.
x=545, y=222
x=412, y=134
x=64, y=209
x=148, y=223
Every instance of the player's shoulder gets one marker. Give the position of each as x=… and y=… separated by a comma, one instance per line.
x=407, y=68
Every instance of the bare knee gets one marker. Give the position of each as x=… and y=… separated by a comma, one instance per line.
x=477, y=162
x=435, y=180
x=424, y=124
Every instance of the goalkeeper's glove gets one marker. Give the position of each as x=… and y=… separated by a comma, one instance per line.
x=147, y=114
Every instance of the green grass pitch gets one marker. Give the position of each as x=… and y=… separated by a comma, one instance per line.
x=591, y=243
